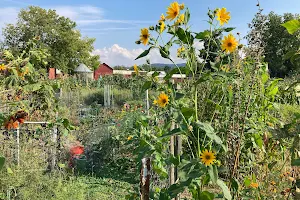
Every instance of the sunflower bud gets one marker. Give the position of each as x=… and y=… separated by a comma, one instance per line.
x=151, y=28
x=138, y=42
x=240, y=46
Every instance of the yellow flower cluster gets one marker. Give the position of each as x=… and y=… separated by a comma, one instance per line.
x=180, y=50
x=2, y=67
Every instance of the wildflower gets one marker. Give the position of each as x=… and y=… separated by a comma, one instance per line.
x=180, y=19
x=136, y=69
x=292, y=179
x=144, y=37
x=229, y=87
x=173, y=11
x=181, y=6
x=225, y=68
x=180, y=50
x=207, y=157
x=129, y=138
x=254, y=185
x=155, y=102
x=162, y=100
x=162, y=18
x=229, y=43
x=26, y=71
x=162, y=27
x=2, y=67
x=273, y=183
x=223, y=16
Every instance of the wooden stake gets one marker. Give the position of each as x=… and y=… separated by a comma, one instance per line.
x=145, y=179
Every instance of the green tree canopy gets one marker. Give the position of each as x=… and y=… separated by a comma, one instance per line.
x=277, y=42
x=55, y=33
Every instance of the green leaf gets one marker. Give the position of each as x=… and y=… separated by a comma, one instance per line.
x=295, y=162
x=175, y=131
x=187, y=16
x=203, y=35
x=273, y=92
x=225, y=189
x=289, y=54
x=203, y=78
x=32, y=87
x=2, y=162
x=247, y=182
x=187, y=112
x=228, y=29
x=164, y=52
x=173, y=71
x=146, y=86
x=9, y=170
x=178, y=95
x=213, y=173
x=264, y=77
x=206, y=196
x=156, y=73
x=292, y=26
x=184, y=36
x=271, y=165
x=258, y=140
x=145, y=53
x=209, y=130
x=235, y=184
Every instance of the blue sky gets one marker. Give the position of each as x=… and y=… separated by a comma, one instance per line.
x=116, y=23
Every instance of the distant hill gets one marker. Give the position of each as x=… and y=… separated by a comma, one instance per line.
x=162, y=65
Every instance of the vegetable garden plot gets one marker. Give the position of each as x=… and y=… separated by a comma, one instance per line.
x=31, y=146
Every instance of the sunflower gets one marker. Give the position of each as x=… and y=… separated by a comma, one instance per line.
x=129, y=138
x=162, y=18
x=180, y=50
x=2, y=67
x=180, y=19
x=162, y=26
x=229, y=43
x=223, y=16
x=144, y=37
x=207, y=157
x=181, y=6
x=173, y=11
x=162, y=100
x=136, y=69
x=254, y=185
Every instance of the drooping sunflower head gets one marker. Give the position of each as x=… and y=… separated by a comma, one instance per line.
x=223, y=16
x=162, y=26
x=162, y=100
x=208, y=157
x=229, y=43
x=180, y=19
x=144, y=37
x=173, y=11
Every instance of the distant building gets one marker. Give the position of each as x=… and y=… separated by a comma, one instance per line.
x=54, y=73
x=84, y=72
x=103, y=70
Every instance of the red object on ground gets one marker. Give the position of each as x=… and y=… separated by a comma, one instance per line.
x=52, y=73
x=76, y=150
x=103, y=70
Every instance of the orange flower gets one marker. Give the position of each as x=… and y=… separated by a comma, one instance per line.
x=254, y=185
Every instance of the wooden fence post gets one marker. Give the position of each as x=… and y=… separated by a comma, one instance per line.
x=18, y=145
x=145, y=179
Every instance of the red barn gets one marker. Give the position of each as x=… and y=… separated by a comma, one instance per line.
x=103, y=70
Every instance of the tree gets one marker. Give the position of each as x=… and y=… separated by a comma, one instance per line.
x=277, y=42
x=55, y=33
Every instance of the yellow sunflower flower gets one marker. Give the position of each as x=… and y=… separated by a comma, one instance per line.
x=180, y=50
x=173, y=11
x=180, y=19
x=254, y=185
x=136, y=69
x=223, y=16
x=229, y=43
x=162, y=100
x=162, y=26
x=2, y=67
x=129, y=138
x=208, y=157
x=181, y=6
x=155, y=102
x=144, y=37
x=162, y=18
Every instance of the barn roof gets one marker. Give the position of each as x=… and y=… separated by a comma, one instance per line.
x=82, y=68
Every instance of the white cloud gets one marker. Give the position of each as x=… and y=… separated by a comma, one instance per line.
x=116, y=55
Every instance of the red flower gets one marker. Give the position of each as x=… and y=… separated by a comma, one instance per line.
x=21, y=120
